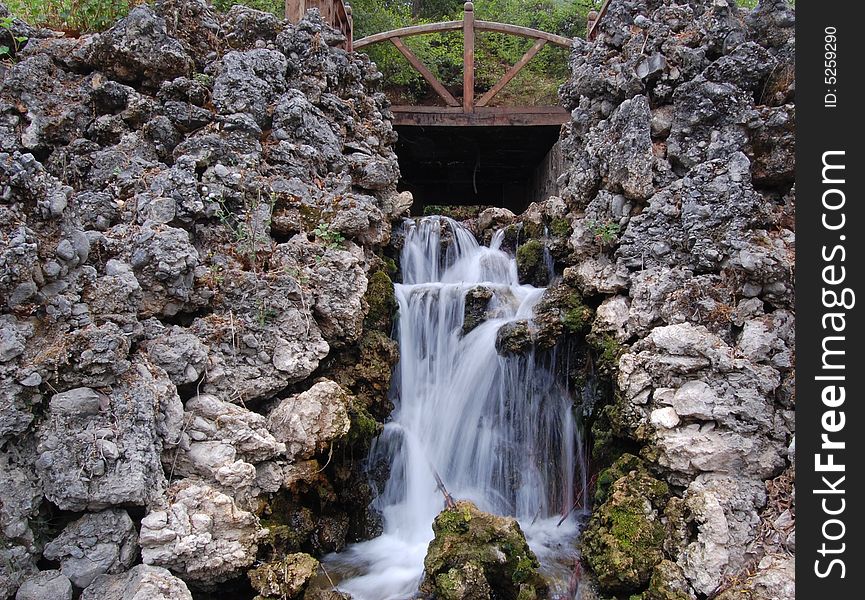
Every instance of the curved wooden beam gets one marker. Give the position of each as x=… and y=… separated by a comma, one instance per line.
x=527, y=32
x=404, y=32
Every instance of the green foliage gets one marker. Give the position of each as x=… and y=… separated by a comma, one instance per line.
x=276, y=7
x=331, y=238
x=605, y=233
x=6, y=51
x=96, y=15
x=72, y=15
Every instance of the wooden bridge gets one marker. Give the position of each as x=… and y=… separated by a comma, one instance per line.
x=469, y=110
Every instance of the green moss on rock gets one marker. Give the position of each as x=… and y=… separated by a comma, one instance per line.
x=382, y=302
x=560, y=227
x=476, y=555
x=283, y=579
x=456, y=212
x=624, y=538
x=531, y=268
x=609, y=352
x=668, y=582
x=623, y=465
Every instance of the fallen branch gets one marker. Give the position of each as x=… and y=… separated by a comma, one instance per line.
x=440, y=486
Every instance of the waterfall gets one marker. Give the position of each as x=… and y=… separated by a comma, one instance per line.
x=500, y=431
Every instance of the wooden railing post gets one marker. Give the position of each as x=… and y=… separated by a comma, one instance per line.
x=468, y=57
x=349, y=35
x=294, y=10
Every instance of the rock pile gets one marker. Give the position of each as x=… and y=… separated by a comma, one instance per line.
x=192, y=207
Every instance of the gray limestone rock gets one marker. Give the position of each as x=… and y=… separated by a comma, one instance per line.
x=201, y=534
x=138, y=49
x=142, y=582
x=97, y=543
x=308, y=422
x=45, y=585
x=97, y=450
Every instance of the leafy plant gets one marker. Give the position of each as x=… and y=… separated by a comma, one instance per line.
x=6, y=24
x=72, y=15
x=605, y=233
x=331, y=238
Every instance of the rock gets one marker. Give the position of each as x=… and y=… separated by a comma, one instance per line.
x=22, y=497
x=308, y=422
x=138, y=49
x=532, y=263
x=202, y=534
x=95, y=544
x=223, y=443
x=624, y=538
x=93, y=461
x=142, y=582
x=164, y=262
x=248, y=82
x=46, y=585
x=476, y=303
x=774, y=578
x=612, y=317
x=286, y=578
x=476, y=555
x=514, y=338
x=181, y=354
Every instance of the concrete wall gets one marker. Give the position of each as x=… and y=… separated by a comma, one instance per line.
x=544, y=182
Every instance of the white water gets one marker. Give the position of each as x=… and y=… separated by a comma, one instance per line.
x=500, y=431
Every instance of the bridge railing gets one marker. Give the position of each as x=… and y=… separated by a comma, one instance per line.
x=469, y=26
x=334, y=12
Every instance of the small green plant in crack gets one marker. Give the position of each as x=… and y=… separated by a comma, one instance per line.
x=17, y=40
x=204, y=79
x=297, y=274
x=266, y=314
x=332, y=239
x=605, y=233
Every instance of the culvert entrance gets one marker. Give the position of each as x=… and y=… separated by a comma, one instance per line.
x=503, y=166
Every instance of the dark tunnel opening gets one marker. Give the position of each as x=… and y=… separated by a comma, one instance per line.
x=504, y=166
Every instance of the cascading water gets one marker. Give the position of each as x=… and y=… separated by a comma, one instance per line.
x=499, y=430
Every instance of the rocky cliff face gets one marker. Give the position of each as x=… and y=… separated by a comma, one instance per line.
x=677, y=212
x=195, y=300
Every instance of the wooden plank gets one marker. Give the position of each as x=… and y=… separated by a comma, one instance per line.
x=424, y=71
x=481, y=117
x=349, y=32
x=526, y=32
x=486, y=110
x=294, y=10
x=593, y=32
x=404, y=32
x=468, y=57
x=529, y=55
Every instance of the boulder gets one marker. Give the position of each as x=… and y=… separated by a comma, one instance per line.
x=201, y=535
x=142, y=582
x=476, y=555
x=95, y=544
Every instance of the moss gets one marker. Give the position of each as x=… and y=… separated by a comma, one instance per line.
x=472, y=548
x=624, y=464
x=609, y=352
x=456, y=520
x=577, y=317
x=364, y=428
x=624, y=538
x=456, y=212
x=668, y=583
x=530, y=263
x=381, y=300
x=283, y=579
x=560, y=227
